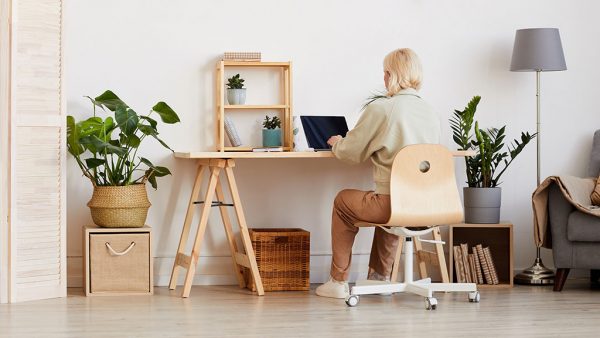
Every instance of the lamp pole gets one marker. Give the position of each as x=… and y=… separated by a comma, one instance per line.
x=537, y=274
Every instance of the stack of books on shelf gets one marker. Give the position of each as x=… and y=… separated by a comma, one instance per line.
x=242, y=56
x=476, y=267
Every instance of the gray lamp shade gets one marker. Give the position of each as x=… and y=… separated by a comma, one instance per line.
x=537, y=49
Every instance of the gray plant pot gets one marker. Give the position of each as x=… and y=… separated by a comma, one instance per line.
x=482, y=205
x=236, y=96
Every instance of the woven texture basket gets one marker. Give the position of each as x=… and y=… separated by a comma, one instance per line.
x=283, y=257
x=119, y=206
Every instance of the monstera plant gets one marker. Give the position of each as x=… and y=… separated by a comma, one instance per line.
x=482, y=196
x=105, y=147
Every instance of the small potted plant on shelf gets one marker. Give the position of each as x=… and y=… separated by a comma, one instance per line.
x=236, y=93
x=271, y=133
x=106, y=150
x=483, y=196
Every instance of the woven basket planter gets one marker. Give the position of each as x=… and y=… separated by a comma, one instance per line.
x=119, y=206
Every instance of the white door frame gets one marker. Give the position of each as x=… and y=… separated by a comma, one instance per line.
x=5, y=145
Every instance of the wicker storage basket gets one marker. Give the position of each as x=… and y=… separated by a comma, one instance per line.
x=119, y=206
x=283, y=257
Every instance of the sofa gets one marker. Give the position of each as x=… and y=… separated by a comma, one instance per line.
x=575, y=235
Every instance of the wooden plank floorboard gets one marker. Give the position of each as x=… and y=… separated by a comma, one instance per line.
x=227, y=311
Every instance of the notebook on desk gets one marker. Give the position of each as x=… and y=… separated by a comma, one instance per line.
x=319, y=129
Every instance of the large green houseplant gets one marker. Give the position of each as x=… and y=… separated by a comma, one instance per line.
x=482, y=196
x=106, y=151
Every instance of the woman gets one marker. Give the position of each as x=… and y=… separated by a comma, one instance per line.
x=386, y=125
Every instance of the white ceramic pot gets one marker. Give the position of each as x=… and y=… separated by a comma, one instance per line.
x=236, y=96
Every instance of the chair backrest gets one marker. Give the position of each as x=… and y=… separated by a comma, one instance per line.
x=423, y=190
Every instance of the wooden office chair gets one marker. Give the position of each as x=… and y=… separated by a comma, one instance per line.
x=423, y=196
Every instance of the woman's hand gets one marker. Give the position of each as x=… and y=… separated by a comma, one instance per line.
x=333, y=139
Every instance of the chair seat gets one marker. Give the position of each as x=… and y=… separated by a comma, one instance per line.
x=582, y=227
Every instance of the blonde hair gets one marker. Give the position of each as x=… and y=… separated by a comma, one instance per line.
x=405, y=71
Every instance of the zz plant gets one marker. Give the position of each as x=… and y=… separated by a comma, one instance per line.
x=491, y=161
x=106, y=149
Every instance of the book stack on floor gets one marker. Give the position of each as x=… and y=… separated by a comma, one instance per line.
x=476, y=267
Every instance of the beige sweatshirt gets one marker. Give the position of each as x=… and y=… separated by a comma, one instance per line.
x=387, y=125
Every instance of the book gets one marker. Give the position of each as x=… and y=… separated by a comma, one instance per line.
x=231, y=131
x=477, y=266
x=465, y=258
x=472, y=267
x=267, y=149
x=484, y=265
x=457, y=261
x=490, y=261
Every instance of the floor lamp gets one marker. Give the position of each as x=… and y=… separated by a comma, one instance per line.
x=537, y=50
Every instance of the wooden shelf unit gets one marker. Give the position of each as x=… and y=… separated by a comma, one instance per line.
x=498, y=237
x=286, y=107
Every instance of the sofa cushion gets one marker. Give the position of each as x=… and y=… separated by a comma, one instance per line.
x=594, y=168
x=582, y=227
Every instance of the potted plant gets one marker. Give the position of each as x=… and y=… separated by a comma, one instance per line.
x=482, y=196
x=106, y=150
x=236, y=93
x=271, y=133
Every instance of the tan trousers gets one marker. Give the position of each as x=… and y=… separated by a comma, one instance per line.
x=350, y=207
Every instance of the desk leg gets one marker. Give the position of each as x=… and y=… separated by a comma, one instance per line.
x=420, y=261
x=189, y=216
x=246, y=241
x=208, y=198
x=439, y=248
x=230, y=234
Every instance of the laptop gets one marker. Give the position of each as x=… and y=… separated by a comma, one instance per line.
x=318, y=129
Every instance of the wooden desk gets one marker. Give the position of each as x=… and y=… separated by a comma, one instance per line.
x=217, y=162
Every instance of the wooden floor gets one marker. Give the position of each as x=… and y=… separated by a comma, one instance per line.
x=226, y=311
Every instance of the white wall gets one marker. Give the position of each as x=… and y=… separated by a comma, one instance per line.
x=150, y=50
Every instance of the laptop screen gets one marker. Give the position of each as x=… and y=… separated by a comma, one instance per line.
x=319, y=129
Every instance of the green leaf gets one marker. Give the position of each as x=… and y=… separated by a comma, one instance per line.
x=146, y=162
x=73, y=135
x=167, y=115
x=132, y=141
x=94, y=162
x=109, y=100
x=147, y=130
x=102, y=146
x=151, y=178
x=152, y=121
x=127, y=119
x=161, y=171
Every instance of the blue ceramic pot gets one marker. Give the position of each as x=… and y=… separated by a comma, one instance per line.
x=271, y=137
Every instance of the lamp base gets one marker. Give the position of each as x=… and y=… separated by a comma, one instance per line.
x=537, y=274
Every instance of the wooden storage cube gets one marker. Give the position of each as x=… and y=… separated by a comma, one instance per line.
x=283, y=258
x=498, y=237
x=118, y=261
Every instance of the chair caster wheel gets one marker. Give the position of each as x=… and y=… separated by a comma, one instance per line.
x=430, y=303
x=474, y=297
x=352, y=300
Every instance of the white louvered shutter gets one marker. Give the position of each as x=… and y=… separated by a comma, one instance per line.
x=38, y=180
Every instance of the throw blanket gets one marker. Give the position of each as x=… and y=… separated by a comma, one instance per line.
x=575, y=189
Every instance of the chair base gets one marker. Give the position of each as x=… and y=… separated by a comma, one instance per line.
x=423, y=287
